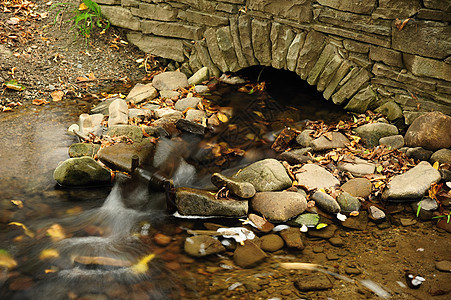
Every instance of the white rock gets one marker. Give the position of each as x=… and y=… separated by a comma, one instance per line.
x=118, y=112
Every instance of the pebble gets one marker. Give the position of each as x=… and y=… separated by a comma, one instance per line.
x=248, y=255
x=352, y=271
x=271, y=242
x=325, y=233
x=443, y=266
x=202, y=245
x=419, y=153
x=326, y=202
x=313, y=176
x=348, y=203
x=313, y=282
x=408, y=222
x=292, y=238
x=336, y=241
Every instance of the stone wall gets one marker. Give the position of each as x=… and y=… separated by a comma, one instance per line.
x=362, y=54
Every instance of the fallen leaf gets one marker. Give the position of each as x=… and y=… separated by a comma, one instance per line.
x=57, y=95
x=26, y=230
x=91, y=76
x=39, y=102
x=82, y=6
x=14, y=85
x=222, y=117
x=18, y=203
x=56, y=232
x=48, y=253
x=6, y=260
x=141, y=266
x=436, y=165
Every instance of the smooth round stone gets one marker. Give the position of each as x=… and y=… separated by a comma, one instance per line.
x=336, y=241
x=443, y=266
x=358, y=187
x=443, y=156
x=271, y=242
x=326, y=202
x=348, y=203
x=308, y=220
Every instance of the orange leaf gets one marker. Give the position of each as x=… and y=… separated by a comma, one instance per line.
x=91, y=76
x=57, y=95
x=39, y=101
x=56, y=232
x=82, y=6
x=82, y=79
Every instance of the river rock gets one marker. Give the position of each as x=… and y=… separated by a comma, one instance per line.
x=202, y=245
x=372, y=132
x=118, y=113
x=304, y=138
x=326, y=202
x=324, y=233
x=133, y=132
x=81, y=171
x=248, y=255
x=200, y=76
x=359, y=222
x=119, y=156
x=427, y=207
x=170, y=81
x=265, y=175
x=168, y=113
x=240, y=188
x=271, y=242
x=443, y=156
x=307, y=219
x=394, y=141
x=201, y=89
x=337, y=241
x=169, y=94
x=443, y=266
x=292, y=238
x=195, y=115
x=90, y=124
x=279, y=206
x=430, y=131
x=140, y=113
x=358, y=187
x=203, y=203
x=315, y=177
x=191, y=127
x=261, y=223
x=348, y=203
x=376, y=213
x=419, y=153
x=413, y=184
x=103, y=107
x=141, y=92
x=357, y=167
x=313, y=282
x=333, y=140
x=186, y=103
x=83, y=149
x=296, y=156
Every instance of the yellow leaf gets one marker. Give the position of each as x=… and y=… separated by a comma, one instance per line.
x=6, y=260
x=49, y=253
x=74, y=210
x=141, y=266
x=222, y=117
x=322, y=190
x=321, y=225
x=436, y=165
x=259, y=113
x=56, y=232
x=19, y=203
x=378, y=184
x=82, y=6
x=25, y=229
x=57, y=95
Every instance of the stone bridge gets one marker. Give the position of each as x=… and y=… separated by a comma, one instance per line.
x=390, y=55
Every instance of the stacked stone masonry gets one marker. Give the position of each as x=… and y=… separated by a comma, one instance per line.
x=390, y=55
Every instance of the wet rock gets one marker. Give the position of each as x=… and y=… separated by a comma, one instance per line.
x=279, y=206
x=296, y=156
x=118, y=113
x=83, y=149
x=358, y=187
x=331, y=141
x=407, y=222
x=155, y=131
x=284, y=139
x=359, y=222
x=103, y=107
x=443, y=156
x=352, y=271
x=348, y=203
x=336, y=241
x=240, y=188
x=376, y=213
x=119, y=156
x=324, y=233
x=413, y=184
x=186, y=103
x=265, y=175
x=168, y=113
x=271, y=242
x=200, y=76
x=195, y=115
x=313, y=282
x=357, y=167
x=430, y=131
x=248, y=255
x=168, y=125
x=444, y=224
x=292, y=238
x=372, y=132
x=443, y=266
x=202, y=245
x=419, y=153
x=101, y=261
x=133, y=132
x=313, y=176
x=394, y=141
x=203, y=203
x=162, y=239
x=141, y=92
x=427, y=207
x=90, y=124
x=81, y=171
x=191, y=127
x=304, y=138
x=332, y=256
x=170, y=81
x=261, y=223
x=308, y=219
x=326, y=202
x=169, y=94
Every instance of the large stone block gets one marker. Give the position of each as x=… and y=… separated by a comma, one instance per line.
x=158, y=46
x=281, y=38
x=155, y=12
x=204, y=57
x=422, y=66
x=213, y=49
x=313, y=45
x=225, y=44
x=351, y=86
x=121, y=17
x=328, y=51
x=329, y=71
x=234, y=31
x=387, y=56
x=244, y=27
x=354, y=46
x=204, y=18
x=360, y=6
x=438, y=4
x=300, y=11
x=342, y=71
x=294, y=49
x=362, y=100
x=261, y=41
x=392, y=9
x=408, y=78
x=167, y=29
x=425, y=38
x=375, y=39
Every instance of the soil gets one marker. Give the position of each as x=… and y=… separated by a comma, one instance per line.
x=46, y=57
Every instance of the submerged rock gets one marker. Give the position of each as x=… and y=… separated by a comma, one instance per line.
x=324, y=233
x=292, y=238
x=265, y=175
x=279, y=206
x=202, y=245
x=413, y=184
x=203, y=203
x=240, y=188
x=372, y=132
x=271, y=242
x=348, y=203
x=427, y=207
x=170, y=81
x=359, y=222
x=313, y=282
x=315, y=177
x=248, y=255
x=326, y=202
x=81, y=171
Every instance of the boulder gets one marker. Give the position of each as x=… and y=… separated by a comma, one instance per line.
x=81, y=171
x=326, y=142
x=419, y=153
x=241, y=189
x=443, y=156
x=170, y=81
x=90, y=124
x=394, y=141
x=203, y=203
x=141, y=92
x=202, y=245
x=358, y=187
x=195, y=115
x=265, y=175
x=315, y=177
x=296, y=156
x=279, y=206
x=326, y=202
x=248, y=255
x=191, y=127
x=168, y=113
x=271, y=242
x=200, y=76
x=169, y=94
x=304, y=138
x=372, y=132
x=413, y=184
x=118, y=113
x=430, y=131
x=348, y=203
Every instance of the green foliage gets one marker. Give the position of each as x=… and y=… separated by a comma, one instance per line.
x=448, y=217
x=84, y=17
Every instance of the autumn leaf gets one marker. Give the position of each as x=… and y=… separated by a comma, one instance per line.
x=436, y=165
x=48, y=253
x=18, y=203
x=26, y=230
x=401, y=24
x=6, y=260
x=39, y=102
x=82, y=6
x=14, y=85
x=222, y=117
x=141, y=266
x=56, y=232
x=57, y=95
